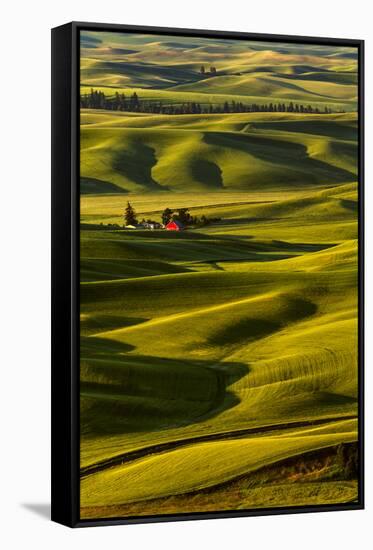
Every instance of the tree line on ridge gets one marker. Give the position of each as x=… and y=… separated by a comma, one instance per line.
x=120, y=102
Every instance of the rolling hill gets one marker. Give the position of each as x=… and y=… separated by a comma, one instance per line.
x=234, y=152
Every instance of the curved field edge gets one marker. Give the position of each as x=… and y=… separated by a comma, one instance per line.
x=313, y=478
x=208, y=464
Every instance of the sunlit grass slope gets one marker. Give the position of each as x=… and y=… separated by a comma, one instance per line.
x=303, y=480
x=207, y=464
x=213, y=153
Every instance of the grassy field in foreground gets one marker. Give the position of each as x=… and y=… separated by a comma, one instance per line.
x=218, y=364
x=319, y=477
x=208, y=332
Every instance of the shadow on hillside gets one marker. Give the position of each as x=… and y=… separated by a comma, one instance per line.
x=125, y=393
x=136, y=164
x=207, y=173
x=101, y=322
x=304, y=247
x=350, y=205
x=94, y=186
x=94, y=346
x=329, y=398
x=248, y=329
x=327, y=128
x=284, y=153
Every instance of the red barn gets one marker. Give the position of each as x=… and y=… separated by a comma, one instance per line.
x=174, y=225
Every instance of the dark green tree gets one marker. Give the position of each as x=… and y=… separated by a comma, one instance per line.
x=134, y=102
x=130, y=215
x=182, y=216
x=166, y=215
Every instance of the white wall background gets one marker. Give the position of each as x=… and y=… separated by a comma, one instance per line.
x=25, y=273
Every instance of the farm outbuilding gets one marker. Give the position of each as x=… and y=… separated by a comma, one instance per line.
x=153, y=225
x=174, y=225
x=137, y=226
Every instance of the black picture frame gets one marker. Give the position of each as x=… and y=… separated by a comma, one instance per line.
x=65, y=272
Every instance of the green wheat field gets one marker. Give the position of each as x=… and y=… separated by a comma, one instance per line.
x=218, y=363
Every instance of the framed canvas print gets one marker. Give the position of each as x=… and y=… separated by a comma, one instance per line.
x=207, y=330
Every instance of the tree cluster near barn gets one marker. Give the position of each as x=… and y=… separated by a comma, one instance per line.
x=177, y=219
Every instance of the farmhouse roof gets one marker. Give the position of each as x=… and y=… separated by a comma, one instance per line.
x=175, y=222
